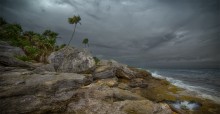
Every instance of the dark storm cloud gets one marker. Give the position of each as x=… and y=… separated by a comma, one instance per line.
x=14, y=3
x=152, y=33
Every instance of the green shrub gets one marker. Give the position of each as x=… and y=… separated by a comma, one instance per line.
x=96, y=59
x=23, y=58
x=32, y=51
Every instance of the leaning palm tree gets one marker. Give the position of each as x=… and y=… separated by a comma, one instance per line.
x=86, y=42
x=74, y=20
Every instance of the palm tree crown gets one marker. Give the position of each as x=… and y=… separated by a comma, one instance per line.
x=85, y=41
x=74, y=19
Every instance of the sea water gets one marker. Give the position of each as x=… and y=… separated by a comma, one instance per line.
x=205, y=82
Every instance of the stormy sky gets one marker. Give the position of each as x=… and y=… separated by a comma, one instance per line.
x=141, y=33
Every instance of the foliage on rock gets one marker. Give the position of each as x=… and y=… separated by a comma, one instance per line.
x=96, y=59
x=36, y=46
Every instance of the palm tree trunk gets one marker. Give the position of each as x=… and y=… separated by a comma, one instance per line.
x=72, y=34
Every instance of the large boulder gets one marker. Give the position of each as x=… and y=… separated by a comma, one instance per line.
x=72, y=60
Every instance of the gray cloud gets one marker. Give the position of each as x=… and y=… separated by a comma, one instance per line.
x=146, y=33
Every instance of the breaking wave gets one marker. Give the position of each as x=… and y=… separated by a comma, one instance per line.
x=201, y=91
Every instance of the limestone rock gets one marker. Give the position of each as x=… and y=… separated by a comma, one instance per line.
x=103, y=73
x=6, y=49
x=7, y=56
x=10, y=61
x=24, y=91
x=21, y=91
x=121, y=70
x=111, y=82
x=72, y=60
x=110, y=63
x=125, y=72
x=98, y=99
x=145, y=107
x=44, y=68
x=123, y=86
x=125, y=95
x=138, y=82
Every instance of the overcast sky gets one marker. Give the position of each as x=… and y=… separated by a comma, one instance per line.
x=141, y=33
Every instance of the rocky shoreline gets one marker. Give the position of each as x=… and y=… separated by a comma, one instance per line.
x=73, y=83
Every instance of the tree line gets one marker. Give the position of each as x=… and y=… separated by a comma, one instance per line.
x=36, y=46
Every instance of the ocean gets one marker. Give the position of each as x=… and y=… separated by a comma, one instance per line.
x=205, y=82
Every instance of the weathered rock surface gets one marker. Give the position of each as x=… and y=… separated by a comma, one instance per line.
x=24, y=91
x=111, y=82
x=106, y=100
x=71, y=60
x=44, y=68
x=104, y=72
x=10, y=61
x=7, y=56
x=138, y=82
x=6, y=49
x=111, y=68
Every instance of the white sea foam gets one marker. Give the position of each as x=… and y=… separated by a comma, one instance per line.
x=196, y=89
x=186, y=105
x=156, y=75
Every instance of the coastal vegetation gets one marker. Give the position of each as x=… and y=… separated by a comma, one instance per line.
x=37, y=46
